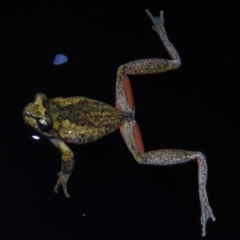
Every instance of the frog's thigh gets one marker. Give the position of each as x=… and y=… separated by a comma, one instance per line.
x=124, y=95
x=125, y=102
x=133, y=138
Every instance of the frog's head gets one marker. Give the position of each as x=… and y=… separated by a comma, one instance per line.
x=34, y=115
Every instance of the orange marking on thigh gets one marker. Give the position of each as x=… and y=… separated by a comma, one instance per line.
x=138, y=138
x=136, y=135
x=128, y=92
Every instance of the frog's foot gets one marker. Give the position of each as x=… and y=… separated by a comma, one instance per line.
x=157, y=21
x=62, y=180
x=206, y=214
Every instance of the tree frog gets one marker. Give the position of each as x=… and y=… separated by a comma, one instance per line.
x=81, y=120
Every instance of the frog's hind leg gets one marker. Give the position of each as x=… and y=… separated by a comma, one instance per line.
x=124, y=95
x=125, y=102
x=131, y=133
x=163, y=157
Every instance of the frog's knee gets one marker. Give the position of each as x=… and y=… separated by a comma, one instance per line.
x=133, y=138
x=201, y=156
x=177, y=63
x=120, y=70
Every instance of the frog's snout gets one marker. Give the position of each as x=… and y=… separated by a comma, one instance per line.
x=25, y=117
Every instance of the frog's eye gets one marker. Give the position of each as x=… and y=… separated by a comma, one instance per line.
x=36, y=96
x=39, y=97
x=43, y=124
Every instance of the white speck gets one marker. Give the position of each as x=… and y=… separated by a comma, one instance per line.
x=84, y=214
x=35, y=137
x=60, y=59
x=69, y=131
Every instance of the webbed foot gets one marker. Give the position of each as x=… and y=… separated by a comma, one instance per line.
x=62, y=180
x=206, y=214
x=157, y=21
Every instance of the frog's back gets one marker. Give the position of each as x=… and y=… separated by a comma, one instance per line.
x=82, y=120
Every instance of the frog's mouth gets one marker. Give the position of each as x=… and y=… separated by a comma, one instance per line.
x=32, y=121
x=28, y=117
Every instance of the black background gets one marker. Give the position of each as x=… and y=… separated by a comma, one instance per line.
x=195, y=107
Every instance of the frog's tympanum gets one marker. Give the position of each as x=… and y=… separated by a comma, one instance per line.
x=81, y=120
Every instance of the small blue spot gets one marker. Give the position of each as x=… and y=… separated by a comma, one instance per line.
x=60, y=59
x=158, y=20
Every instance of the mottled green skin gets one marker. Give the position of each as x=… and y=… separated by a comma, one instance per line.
x=81, y=120
x=77, y=120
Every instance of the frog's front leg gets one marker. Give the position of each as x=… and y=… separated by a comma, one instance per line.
x=67, y=165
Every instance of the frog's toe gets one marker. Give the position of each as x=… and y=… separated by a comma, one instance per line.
x=207, y=213
x=56, y=187
x=156, y=20
x=64, y=185
x=58, y=183
x=62, y=180
x=159, y=20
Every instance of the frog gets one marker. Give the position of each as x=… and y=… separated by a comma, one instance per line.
x=80, y=120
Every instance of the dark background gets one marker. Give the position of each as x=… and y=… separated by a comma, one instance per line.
x=193, y=108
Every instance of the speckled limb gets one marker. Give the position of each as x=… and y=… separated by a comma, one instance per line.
x=67, y=165
x=172, y=156
x=160, y=157
x=147, y=66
